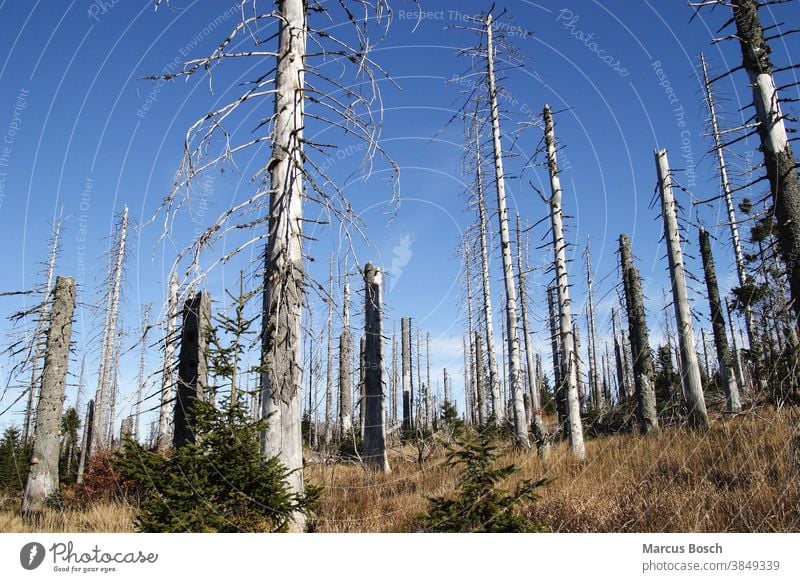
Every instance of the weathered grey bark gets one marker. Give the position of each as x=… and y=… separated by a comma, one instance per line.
x=480, y=376
x=43, y=474
x=328, y=434
x=591, y=330
x=737, y=358
x=43, y=316
x=468, y=386
x=578, y=369
x=164, y=438
x=375, y=428
x=429, y=410
x=497, y=411
x=481, y=412
x=405, y=336
x=142, y=379
x=395, y=376
x=362, y=373
x=690, y=369
x=88, y=423
x=283, y=298
x=192, y=365
x=111, y=434
x=568, y=354
x=706, y=363
x=419, y=411
x=724, y=356
x=779, y=159
x=624, y=393
x=643, y=370
x=101, y=415
x=558, y=382
x=537, y=424
x=741, y=271
x=126, y=429
x=345, y=400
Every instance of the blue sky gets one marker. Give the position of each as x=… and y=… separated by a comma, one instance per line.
x=88, y=132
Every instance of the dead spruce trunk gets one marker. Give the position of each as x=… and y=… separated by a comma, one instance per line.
x=481, y=413
x=345, y=400
x=621, y=381
x=690, y=369
x=405, y=338
x=643, y=370
x=281, y=348
x=140, y=385
x=43, y=475
x=521, y=438
x=537, y=424
x=429, y=410
x=568, y=355
x=101, y=416
x=558, y=381
x=192, y=366
x=168, y=375
x=778, y=156
x=362, y=371
x=480, y=377
x=374, y=424
x=327, y=436
x=724, y=357
x=594, y=375
x=395, y=378
x=88, y=423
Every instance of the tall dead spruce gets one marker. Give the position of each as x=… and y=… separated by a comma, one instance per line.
x=517, y=405
x=643, y=370
x=164, y=437
x=43, y=475
x=690, y=368
x=374, y=374
x=568, y=355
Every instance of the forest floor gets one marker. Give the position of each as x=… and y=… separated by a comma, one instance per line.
x=740, y=476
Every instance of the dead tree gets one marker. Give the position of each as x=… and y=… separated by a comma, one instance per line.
x=43, y=316
x=517, y=405
x=192, y=366
x=591, y=330
x=621, y=380
x=728, y=196
x=537, y=424
x=643, y=370
x=88, y=425
x=480, y=376
x=328, y=434
x=477, y=381
x=102, y=418
x=362, y=374
x=405, y=335
x=43, y=474
x=374, y=427
x=345, y=400
x=555, y=349
x=395, y=375
x=164, y=438
x=779, y=159
x=568, y=354
x=142, y=378
x=690, y=369
x=429, y=410
x=726, y=367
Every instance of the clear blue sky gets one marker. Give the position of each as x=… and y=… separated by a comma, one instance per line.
x=82, y=129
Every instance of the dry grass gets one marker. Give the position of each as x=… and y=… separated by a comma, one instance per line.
x=740, y=476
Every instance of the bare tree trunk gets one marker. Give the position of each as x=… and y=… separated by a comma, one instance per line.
x=38, y=337
x=429, y=411
x=88, y=423
x=101, y=415
x=568, y=355
x=594, y=376
x=328, y=434
x=724, y=358
x=643, y=370
x=192, y=366
x=374, y=428
x=737, y=358
x=168, y=378
x=558, y=376
x=362, y=374
x=405, y=335
x=142, y=379
x=43, y=475
x=621, y=381
x=708, y=371
x=114, y=379
x=480, y=377
x=469, y=389
x=690, y=369
x=778, y=156
x=421, y=398
x=537, y=424
x=345, y=407
x=726, y=191
x=481, y=413
x=395, y=379
x=578, y=369
x=281, y=351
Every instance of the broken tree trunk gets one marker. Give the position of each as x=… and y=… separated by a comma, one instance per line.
x=568, y=355
x=362, y=371
x=88, y=423
x=192, y=366
x=724, y=356
x=328, y=434
x=43, y=474
x=778, y=156
x=621, y=381
x=405, y=336
x=168, y=376
x=690, y=369
x=374, y=426
x=345, y=400
x=643, y=370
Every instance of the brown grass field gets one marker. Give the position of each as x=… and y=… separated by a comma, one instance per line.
x=740, y=476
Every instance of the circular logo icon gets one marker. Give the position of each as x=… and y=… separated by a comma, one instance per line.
x=31, y=555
